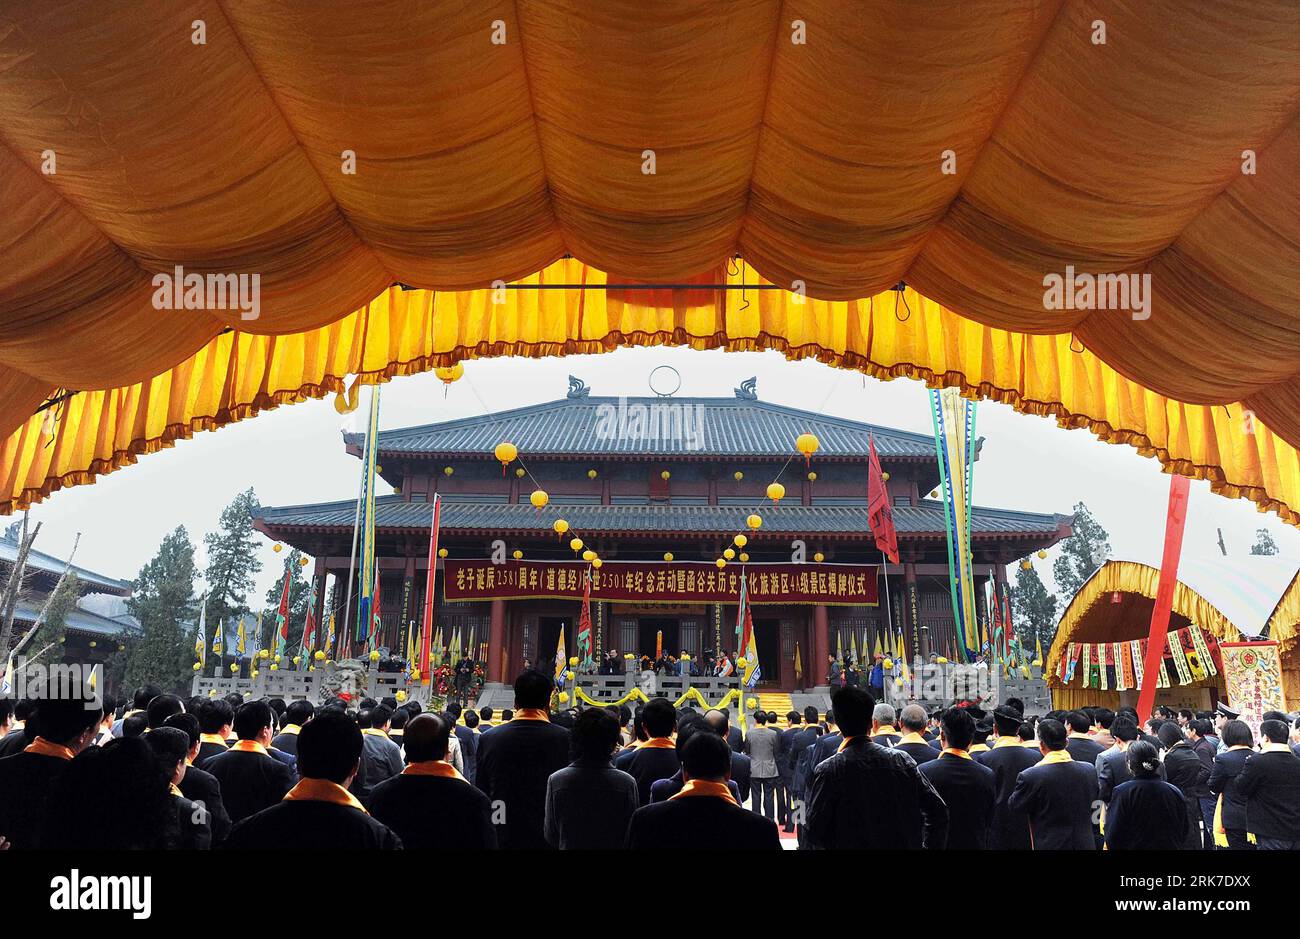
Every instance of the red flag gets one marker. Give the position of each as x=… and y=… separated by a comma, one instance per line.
x=282, y=614
x=879, y=514
x=1175, y=522
x=427, y=632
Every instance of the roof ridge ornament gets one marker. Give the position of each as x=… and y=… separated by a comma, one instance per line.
x=578, y=388
x=748, y=389
x=661, y=393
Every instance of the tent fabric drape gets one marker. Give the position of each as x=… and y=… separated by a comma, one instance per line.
x=894, y=334
x=335, y=149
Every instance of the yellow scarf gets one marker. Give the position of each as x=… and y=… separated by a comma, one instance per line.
x=440, y=768
x=912, y=738
x=1007, y=742
x=979, y=748
x=176, y=790
x=844, y=744
x=45, y=748
x=1057, y=756
x=953, y=751
x=658, y=743
x=249, y=746
x=532, y=714
x=702, y=787
x=372, y=732
x=213, y=738
x=291, y=728
x=886, y=729
x=322, y=790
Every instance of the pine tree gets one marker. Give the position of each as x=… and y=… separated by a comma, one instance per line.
x=1264, y=543
x=1081, y=554
x=54, y=627
x=1033, y=609
x=162, y=598
x=232, y=560
x=299, y=590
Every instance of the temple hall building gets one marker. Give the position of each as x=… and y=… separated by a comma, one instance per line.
x=659, y=488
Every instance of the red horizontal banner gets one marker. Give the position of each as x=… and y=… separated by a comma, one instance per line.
x=661, y=582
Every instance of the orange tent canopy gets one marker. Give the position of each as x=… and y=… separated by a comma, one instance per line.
x=335, y=149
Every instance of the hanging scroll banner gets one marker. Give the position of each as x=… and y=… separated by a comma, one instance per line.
x=1252, y=673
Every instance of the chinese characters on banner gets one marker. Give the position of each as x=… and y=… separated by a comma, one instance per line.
x=1252, y=674
x=658, y=582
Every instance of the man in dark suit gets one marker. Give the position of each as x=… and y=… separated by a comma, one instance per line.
x=1057, y=795
x=171, y=745
x=827, y=744
x=656, y=757
x=467, y=738
x=913, y=720
x=516, y=759
x=216, y=718
x=719, y=722
x=1079, y=745
x=1270, y=785
x=318, y=813
x=15, y=738
x=1008, y=758
x=1112, y=764
x=703, y=815
x=200, y=786
x=296, y=715
x=883, y=731
x=429, y=804
x=251, y=779
x=800, y=746
x=966, y=786
x=785, y=769
x=140, y=699
x=735, y=739
x=58, y=729
x=868, y=796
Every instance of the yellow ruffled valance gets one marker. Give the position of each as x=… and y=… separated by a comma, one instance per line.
x=402, y=332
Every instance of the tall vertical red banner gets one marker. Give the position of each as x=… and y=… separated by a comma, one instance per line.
x=427, y=631
x=1175, y=522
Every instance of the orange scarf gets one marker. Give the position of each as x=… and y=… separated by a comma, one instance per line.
x=912, y=738
x=291, y=728
x=658, y=743
x=1007, y=742
x=953, y=751
x=440, y=768
x=213, y=738
x=45, y=748
x=702, y=787
x=979, y=748
x=1057, y=756
x=885, y=730
x=322, y=790
x=249, y=746
x=844, y=744
x=176, y=790
x=532, y=714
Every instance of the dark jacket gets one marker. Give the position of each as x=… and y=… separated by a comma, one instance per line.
x=468, y=749
x=1270, y=784
x=784, y=768
x=195, y=830
x=649, y=764
x=13, y=742
x=868, y=796
x=967, y=789
x=800, y=743
x=514, y=762
x=202, y=788
x=740, y=772
x=1184, y=769
x=314, y=826
x=207, y=750
x=735, y=739
x=589, y=806
x=249, y=781
x=25, y=781
x=1009, y=830
x=1146, y=815
x=824, y=749
x=1084, y=749
x=1223, y=781
x=919, y=752
x=1058, y=798
x=1113, y=771
x=434, y=812
x=664, y=789
x=700, y=823
x=286, y=743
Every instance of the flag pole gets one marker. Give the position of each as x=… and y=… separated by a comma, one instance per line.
x=889, y=620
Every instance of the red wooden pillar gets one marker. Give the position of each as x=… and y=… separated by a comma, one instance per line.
x=496, y=641
x=817, y=668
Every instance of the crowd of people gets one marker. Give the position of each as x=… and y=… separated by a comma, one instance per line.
x=162, y=772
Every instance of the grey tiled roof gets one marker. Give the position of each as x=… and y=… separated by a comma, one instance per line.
x=392, y=513
x=731, y=427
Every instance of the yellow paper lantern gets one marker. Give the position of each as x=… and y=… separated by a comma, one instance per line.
x=668, y=556
x=597, y=563
x=576, y=544
x=520, y=472
x=592, y=474
x=807, y=444
x=812, y=477
x=302, y=562
x=447, y=470
x=589, y=555
x=518, y=555
x=934, y=493
x=197, y=666
x=744, y=558
x=740, y=541
x=721, y=562
x=1042, y=555
x=729, y=554
x=819, y=557
x=754, y=522
x=277, y=547
x=665, y=475
x=738, y=475
x=450, y=373
x=539, y=498
x=506, y=453
x=775, y=492
x=442, y=552
x=560, y=526
x=1027, y=564
x=884, y=477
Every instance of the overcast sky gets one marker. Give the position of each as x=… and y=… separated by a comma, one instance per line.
x=295, y=455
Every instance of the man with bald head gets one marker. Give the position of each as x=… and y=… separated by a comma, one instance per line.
x=428, y=804
x=719, y=722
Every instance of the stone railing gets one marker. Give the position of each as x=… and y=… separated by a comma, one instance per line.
x=609, y=688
